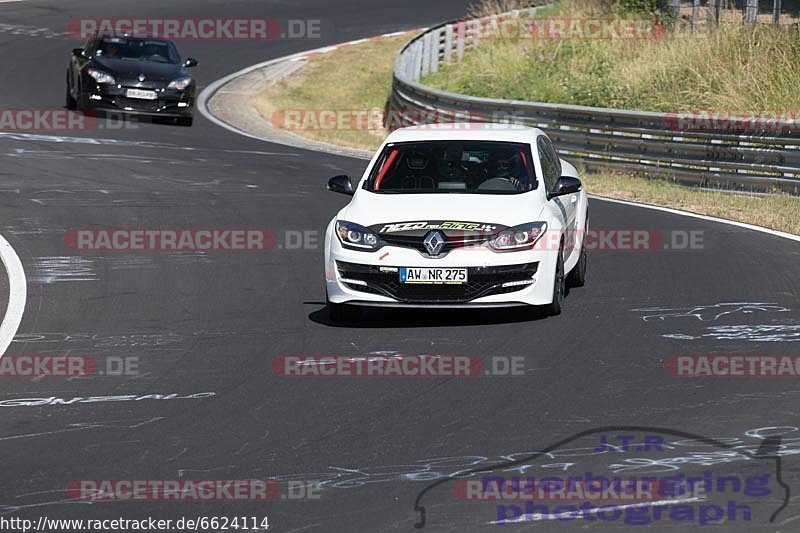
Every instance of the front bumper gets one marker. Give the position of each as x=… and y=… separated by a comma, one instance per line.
x=494, y=279
x=169, y=102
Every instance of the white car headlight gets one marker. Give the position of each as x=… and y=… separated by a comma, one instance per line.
x=180, y=84
x=519, y=237
x=355, y=236
x=100, y=76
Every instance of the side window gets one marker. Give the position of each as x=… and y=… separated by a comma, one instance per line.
x=553, y=155
x=550, y=168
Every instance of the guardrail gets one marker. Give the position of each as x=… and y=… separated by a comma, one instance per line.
x=599, y=138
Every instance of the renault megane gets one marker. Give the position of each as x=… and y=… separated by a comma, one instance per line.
x=458, y=215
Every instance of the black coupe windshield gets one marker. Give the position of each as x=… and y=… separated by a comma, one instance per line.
x=472, y=167
x=155, y=50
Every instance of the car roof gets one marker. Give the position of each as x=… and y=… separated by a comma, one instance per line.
x=465, y=131
x=119, y=38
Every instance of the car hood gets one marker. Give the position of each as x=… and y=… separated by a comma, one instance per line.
x=380, y=210
x=131, y=69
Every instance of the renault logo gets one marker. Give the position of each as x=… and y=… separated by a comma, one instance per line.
x=141, y=77
x=434, y=242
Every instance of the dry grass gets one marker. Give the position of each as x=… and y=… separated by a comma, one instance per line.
x=738, y=68
x=341, y=81
x=323, y=85
x=487, y=8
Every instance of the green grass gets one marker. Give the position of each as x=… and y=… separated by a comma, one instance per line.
x=343, y=80
x=737, y=68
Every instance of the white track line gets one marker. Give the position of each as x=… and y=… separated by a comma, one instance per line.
x=17, y=294
x=752, y=227
x=206, y=94
x=209, y=91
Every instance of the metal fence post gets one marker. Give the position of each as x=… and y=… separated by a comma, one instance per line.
x=675, y=8
x=417, y=60
x=448, y=44
x=751, y=11
x=436, y=38
x=695, y=13
x=776, y=12
x=461, y=37
x=426, y=56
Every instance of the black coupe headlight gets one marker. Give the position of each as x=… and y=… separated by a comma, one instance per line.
x=180, y=84
x=101, y=77
x=357, y=237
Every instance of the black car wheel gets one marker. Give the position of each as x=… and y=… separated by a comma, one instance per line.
x=559, y=287
x=80, y=101
x=577, y=278
x=70, y=101
x=185, y=121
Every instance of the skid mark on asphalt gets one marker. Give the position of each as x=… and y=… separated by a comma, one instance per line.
x=37, y=137
x=710, y=312
x=67, y=156
x=54, y=269
x=760, y=332
x=31, y=31
x=747, y=333
x=127, y=338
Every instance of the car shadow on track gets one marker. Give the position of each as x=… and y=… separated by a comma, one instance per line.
x=378, y=317
x=117, y=120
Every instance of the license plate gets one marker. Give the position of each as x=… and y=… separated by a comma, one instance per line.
x=141, y=94
x=434, y=276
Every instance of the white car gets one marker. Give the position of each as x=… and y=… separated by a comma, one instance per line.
x=458, y=215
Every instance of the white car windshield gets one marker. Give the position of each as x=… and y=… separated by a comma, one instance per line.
x=465, y=167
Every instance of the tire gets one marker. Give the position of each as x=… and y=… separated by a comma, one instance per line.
x=71, y=103
x=577, y=278
x=185, y=121
x=81, y=102
x=559, y=287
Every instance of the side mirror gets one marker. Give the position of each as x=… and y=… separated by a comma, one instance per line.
x=190, y=62
x=566, y=185
x=341, y=184
x=78, y=52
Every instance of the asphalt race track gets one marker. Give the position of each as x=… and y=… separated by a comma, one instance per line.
x=205, y=327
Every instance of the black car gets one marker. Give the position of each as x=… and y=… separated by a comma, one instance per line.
x=132, y=76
